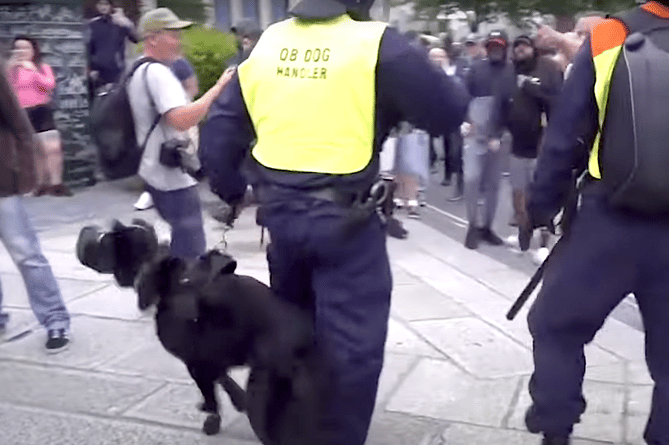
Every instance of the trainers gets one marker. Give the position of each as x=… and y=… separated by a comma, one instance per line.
x=144, y=202
x=57, y=341
x=413, y=212
x=473, y=237
x=548, y=440
x=540, y=255
x=512, y=241
x=491, y=237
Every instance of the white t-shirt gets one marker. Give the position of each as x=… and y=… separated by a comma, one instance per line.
x=167, y=93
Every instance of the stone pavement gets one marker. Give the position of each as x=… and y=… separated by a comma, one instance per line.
x=456, y=370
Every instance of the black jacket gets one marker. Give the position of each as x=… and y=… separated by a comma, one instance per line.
x=528, y=102
x=496, y=80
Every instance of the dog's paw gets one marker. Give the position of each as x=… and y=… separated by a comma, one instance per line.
x=212, y=425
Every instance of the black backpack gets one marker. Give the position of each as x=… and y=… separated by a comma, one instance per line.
x=634, y=156
x=113, y=127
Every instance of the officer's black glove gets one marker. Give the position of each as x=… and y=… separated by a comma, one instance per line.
x=395, y=228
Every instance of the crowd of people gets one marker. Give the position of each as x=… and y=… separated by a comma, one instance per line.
x=513, y=85
x=315, y=184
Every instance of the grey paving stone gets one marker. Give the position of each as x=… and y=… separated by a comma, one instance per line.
x=638, y=408
x=401, y=429
x=64, y=265
x=402, y=277
x=423, y=302
x=621, y=340
x=19, y=426
x=61, y=243
x=94, y=341
x=476, y=346
x=110, y=301
x=447, y=249
x=176, y=404
x=20, y=320
x=439, y=390
x=458, y=434
x=602, y=419
x=395, y=368
x=508, y=282
x=14, y=290
x=637, y=374
x=401, y=340
x=69, y=390
x=612, y=373
x=151, y=361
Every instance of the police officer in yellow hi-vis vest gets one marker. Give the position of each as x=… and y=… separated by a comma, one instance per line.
x=619, y=240
x=315, y=99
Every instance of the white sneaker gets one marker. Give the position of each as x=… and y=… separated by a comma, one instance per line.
x=540, y=255
x=512, y=241
x=144, y=202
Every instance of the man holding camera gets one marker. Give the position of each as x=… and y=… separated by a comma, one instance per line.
x=162, y=112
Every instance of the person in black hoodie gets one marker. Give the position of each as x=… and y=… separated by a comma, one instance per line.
x=538, y=82
x=490, y=83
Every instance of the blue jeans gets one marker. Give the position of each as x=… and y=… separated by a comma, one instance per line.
x=21, y=242
x=182, y=211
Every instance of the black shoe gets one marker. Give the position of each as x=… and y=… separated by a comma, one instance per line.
x=58, y=340
x=551, y=440
x=524, y=238
x=395, y=229
x=491, y=237
x=413, y=213
x=473, y=237
x=447, y=181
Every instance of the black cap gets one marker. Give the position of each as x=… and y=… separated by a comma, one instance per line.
x=523, y=39
x=246, y=28
x=318, y=9
x=497, y=37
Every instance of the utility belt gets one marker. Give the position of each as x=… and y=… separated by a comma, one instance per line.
x=360, y=205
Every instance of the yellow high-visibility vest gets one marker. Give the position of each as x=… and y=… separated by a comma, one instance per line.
x=309, y=88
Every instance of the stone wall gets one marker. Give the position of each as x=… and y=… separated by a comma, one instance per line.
x=59, y=29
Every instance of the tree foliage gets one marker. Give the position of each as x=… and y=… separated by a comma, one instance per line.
x=518, y=8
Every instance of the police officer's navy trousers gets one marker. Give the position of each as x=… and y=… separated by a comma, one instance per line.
x=608, y=255
x=346, y=282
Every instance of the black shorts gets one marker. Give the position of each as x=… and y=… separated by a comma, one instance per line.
x=41, y=116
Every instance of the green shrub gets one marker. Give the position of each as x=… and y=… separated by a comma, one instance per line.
x=186, y=9
x=209, y=51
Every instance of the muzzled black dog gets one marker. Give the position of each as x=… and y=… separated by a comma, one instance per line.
x=212, y=320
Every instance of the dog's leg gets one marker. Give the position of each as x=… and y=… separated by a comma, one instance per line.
x=205, y=379
x=236, y=393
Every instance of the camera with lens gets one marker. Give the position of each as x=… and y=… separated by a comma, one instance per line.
x=177, y=153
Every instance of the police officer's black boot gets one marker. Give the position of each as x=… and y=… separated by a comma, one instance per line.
x=551, y=440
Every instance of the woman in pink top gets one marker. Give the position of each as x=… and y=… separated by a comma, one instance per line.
x=34, y=82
